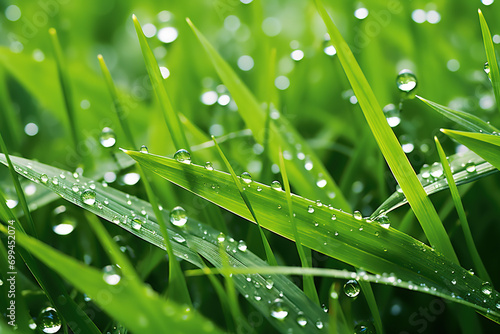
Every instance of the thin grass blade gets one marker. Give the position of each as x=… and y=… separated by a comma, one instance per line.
x=466, y=120
x=478, y=263
x=388, y=143
x=494, y=72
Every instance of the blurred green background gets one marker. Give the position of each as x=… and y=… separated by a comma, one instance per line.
x=439, y=41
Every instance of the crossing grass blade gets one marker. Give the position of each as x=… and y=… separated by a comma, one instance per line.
x=489, y=47
x=466, y=120
x=269, y=253
x=130, y=302
x=467, y=167
x=191, y=242
x=478, y=263
x=388, y=143
x=485, y=145
x=281, y=134
x=359, y=242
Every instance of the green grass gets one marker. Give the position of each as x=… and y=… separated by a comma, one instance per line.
x=99, y=233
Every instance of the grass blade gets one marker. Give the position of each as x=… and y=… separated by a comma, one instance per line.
x=484, y=145
x=468, y=121
x=478, y=263
x=494, y=74
x=388, y=143
x=65, y=87
x=467, y=167
x=305, y=175
x=355, y=241
x=309, y=288
x=171, y=117
x=269, y=253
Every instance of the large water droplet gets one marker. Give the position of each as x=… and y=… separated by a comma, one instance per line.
x=310, y=209
x=278, y=309
x=64, y=223
x=88, y=197
x=111, y=275
x=383, y=221
x=392, y=115
x=436, y=170
x=351, y=288
x=276, y=185
x=183, y=156
x=406, y=81
x=107, y=137
x=486, y=288
x=209, y=165
x=178, y=216
x=242, y=246
x=144, y=149
x=246, y=177
x=425, y=171
x=470, y=167
x=486, y=69
x=44, y=178
x=221, y=237
x=357, y=215
x=48, y=320
x=301, y=320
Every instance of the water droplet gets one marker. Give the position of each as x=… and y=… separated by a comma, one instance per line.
x=278, y=309
x=183, y=156
x=486, y=68
x=310, y=209
x=48, y=320
x=351, y=288
x=178, y=216
x=144, y=149
x=75, y=187
x=486, y=288
x=453, y=281
x=436, y=170
x=136, y=224
x=383, y=221
x=470, y=167
x=301, y=320
x=246, y=177
x=319, y=324
x=276, y=185
x=221, y=237
x=357, y=215
x=392, y=115
x=362, y=329
x=209, y=166
x=111, y=275
x=321, y=183
x=88, y=197
x=107, y=137
x=44, y=178
x=425, y=171
x=269, y=284
x=63, y=222
x=406, y=81
x=242, y=246
x=406, y=144
x=179, y=238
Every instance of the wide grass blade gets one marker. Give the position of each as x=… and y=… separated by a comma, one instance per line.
x=171, y=117
x=358, y=242
x=135, y=305
x=486, y=146
x=307, y=173
x=478, y=263
x=188, y=243
x=468, y=121
x=388, y=143
x=494, y=72
x=467, y=167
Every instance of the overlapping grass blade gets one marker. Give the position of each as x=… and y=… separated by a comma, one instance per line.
x=135, y=305
x=494, y=72
x=388, y=143
x=188, y=244
x=358, y=242
x=171, y=117
x=466, y=120
x=309, y=175
x=478, y=263
x=467, y=167
x=486, y=146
